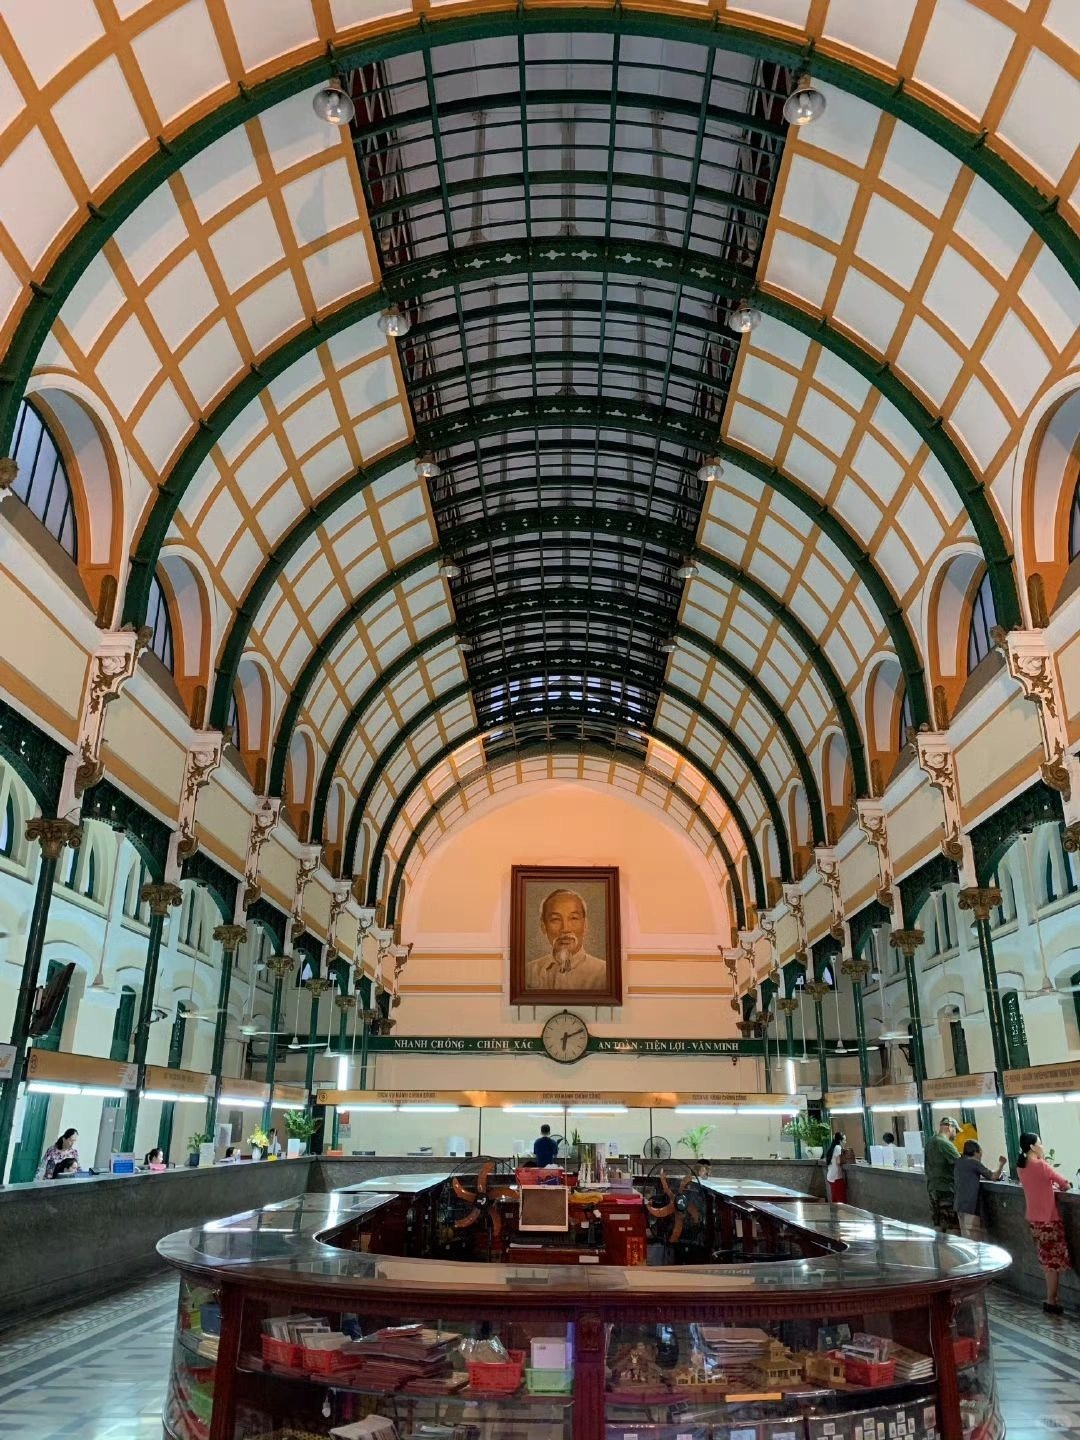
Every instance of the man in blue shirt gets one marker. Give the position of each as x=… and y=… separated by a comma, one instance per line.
x=545, y=1148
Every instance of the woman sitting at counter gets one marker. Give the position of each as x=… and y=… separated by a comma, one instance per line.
x=66, y=1168
x=66, y=1147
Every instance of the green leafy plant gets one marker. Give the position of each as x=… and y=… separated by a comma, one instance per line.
x=259, y=1138
x=694, y=1140
x=201, y=1137
x=299, y=1125
x=808, y=1131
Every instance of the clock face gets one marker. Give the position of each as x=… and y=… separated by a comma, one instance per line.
x=565, y=1037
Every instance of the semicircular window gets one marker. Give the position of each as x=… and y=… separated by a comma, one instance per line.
x=42, y=482
x=982, y=622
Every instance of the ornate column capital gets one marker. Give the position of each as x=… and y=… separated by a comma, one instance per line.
x=855, y=970
x=906, y=941
x=345, y=1003
x=53, y=835
x=817, y=990
x=787, y=1004
x=280, y=965
x=230, y=937
x=161, y=896
x=318, y=985
x=979, y=899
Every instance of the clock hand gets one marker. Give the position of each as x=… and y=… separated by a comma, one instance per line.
x=565, y=1038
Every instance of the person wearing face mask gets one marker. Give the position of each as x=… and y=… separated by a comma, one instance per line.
x=1041, y=1182
x=565, y=964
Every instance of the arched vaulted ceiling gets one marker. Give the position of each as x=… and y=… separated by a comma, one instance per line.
x=566, y=203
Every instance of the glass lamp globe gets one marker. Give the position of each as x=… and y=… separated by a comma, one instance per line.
x=687, y=571
x=804, y=104
x=744, y=318
x=449, y=571
x=710, y=471
x=333, y=105
x=427, y=467
x=669, y=647
x=393, y=323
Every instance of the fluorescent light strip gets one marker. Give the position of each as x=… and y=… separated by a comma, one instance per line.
x=1040, y=1099
x=535, y=1109
x=598, y=1110
x=705, y=1110
x=367, y=1109
x=907, y=1108
x=175, y=1097
x=845, y=1109
x=105, y=1092
x=57, y=1087
x=431, y=1109
x=981, y=1102
x=240, y=1102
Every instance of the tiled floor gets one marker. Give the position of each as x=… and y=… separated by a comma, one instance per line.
x=98, y=1372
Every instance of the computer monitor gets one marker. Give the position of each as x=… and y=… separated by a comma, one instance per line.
x=545, y=1207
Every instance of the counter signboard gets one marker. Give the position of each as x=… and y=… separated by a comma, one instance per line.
x=81, y=1069
x=907, y=1094
x=982, y=1086
x=1044, y=1079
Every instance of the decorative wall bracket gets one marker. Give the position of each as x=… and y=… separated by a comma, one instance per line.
x=793, y=898
x=339, y=900
x=202, y=759
x=938, y=761
x=1033, y=665
x=263, y=821
x=828, y=867
x=111, y=666
x=873, y=824
x=309, y=862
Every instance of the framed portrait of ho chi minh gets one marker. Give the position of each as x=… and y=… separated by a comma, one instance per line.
x=564, y=935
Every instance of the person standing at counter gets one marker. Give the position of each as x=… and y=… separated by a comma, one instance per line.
x=545, y=1148
x=890, y=1155
x=66, y=1148
x=1041, y=1182
x=968, y=1175
x=939, y=1163
x=834, y=1170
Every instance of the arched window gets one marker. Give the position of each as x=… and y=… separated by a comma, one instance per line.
x=42, y=482
x=160, y=622
x=1074, y=524
x=906, y=721
x=89, y=883
x=1049, y=887
x=233, y=721
x=946, y=922
x=7, y=829
x=983, y=620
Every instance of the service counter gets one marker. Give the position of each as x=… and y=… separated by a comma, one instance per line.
x=842, y=1326
x=901, y=1195
x=69, y=1240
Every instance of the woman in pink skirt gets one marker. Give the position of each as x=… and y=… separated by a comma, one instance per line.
x=1041, y=1183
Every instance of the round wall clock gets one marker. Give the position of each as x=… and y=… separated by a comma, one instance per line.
x=565, y=1037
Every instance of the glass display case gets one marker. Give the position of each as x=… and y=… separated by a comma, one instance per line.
x=340, y=1317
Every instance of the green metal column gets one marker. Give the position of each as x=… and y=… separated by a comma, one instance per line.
x=279, y=966
x=31, y=1144
x=857, y=971
x=907, y=942
x=817, y=990
x=364, y=990
x=229, y=937
x=176, y=1059
x=980, y=900
x=52, y=835
x=159, y=897
x=317, y=988
x=344, y=1002
x=787, y=1005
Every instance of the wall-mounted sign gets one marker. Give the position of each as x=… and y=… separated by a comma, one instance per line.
x=1044, y=1079
x=893, y=1094
x=961, y=1087
x=65, y=1069
x=557, y=1099
x=243, y=1089
x=843, y=1099
x=7, y=1061
x=531, y=1045
x=290, y=1095
x=179, y=1082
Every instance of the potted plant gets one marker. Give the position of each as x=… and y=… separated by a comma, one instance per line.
x=812, y=1134
x=694, y=1140
x=195, y=1144
x=259, y=1141
x=299, y=1127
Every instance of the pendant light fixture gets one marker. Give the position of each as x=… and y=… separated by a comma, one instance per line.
x=805, y=104
x=711, y=470
x=333, y=105
x=394, y=323
x=744, y=318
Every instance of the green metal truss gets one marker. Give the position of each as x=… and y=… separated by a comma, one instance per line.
x=535, y=257
x=444, y=753
x=458, y=692
x=239, y=630
x=577, y=520
x=528, y=752
x=1039, y=211
x=557, y=603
